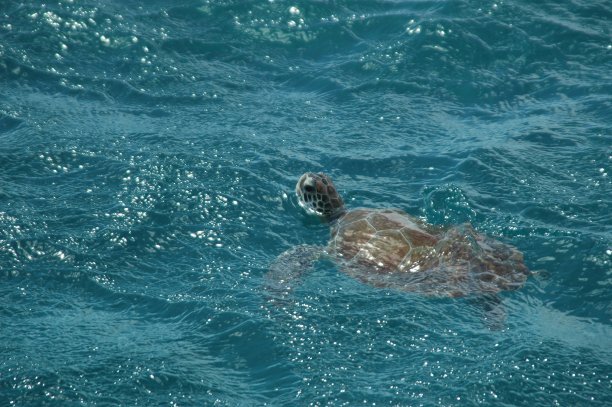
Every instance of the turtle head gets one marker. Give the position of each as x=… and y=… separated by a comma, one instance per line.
x=317, y=194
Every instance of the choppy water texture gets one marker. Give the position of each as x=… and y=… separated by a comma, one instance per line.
x=148, y=150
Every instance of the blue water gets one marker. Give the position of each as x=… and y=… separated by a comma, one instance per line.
x=148, y=153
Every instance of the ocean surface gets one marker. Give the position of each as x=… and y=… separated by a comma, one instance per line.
x=148, y=156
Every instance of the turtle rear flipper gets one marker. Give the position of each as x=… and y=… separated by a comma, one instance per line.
x=492, y=310
x=285, y=271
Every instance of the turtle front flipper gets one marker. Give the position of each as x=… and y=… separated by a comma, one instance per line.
x=286, y=270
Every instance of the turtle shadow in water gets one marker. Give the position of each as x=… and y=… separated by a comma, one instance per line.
x=387, y=248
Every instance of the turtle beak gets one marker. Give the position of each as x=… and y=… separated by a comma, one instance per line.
x=310, y=184
x=306, y=190
x=306, y=184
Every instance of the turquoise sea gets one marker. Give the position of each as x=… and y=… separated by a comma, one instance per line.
x=148, y=155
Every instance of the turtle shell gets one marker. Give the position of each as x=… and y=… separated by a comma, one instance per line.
x=389, y=248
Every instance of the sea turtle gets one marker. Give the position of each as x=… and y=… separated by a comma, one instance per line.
x=389, y=248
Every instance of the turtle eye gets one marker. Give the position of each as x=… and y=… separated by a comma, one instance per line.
x=309, y=188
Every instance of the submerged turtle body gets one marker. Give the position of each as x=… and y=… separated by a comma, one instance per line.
x=389, y=248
